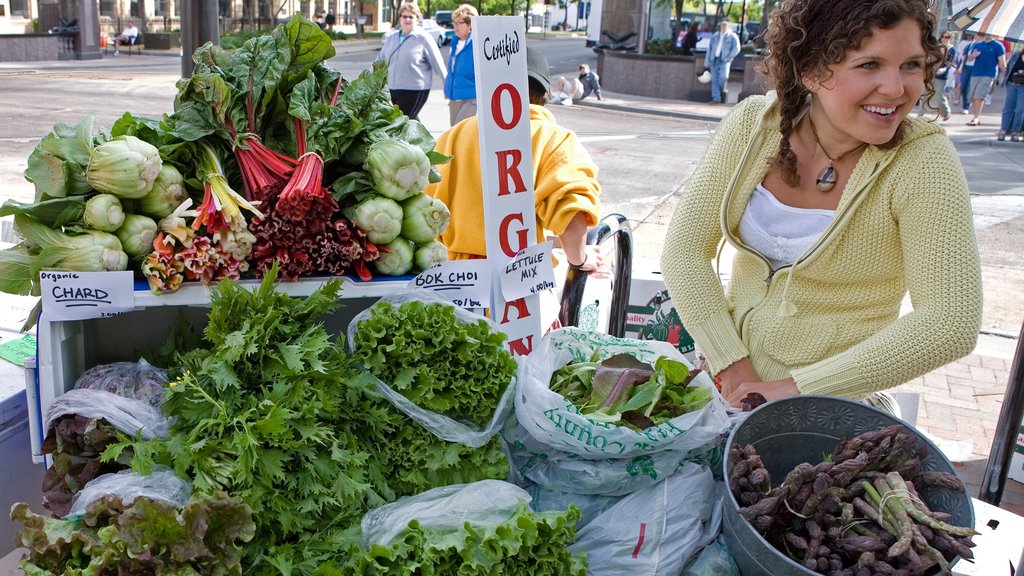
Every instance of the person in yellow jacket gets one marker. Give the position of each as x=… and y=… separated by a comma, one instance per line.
x=566, y=190
x=837, y=204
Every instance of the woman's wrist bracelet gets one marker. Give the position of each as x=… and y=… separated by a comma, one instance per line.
x=580, y=265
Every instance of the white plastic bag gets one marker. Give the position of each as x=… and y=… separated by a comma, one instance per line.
x=590, y=505
x=653, y=531
x=565, y=450
x=440, y=425
x=162, y=485
x=485, y=503
x=135, y=380
x=129, y=416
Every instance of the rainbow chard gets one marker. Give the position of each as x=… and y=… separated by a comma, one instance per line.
x=318, y=123
x=221, y=205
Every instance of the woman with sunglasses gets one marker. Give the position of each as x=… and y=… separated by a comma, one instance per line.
x=412, y=57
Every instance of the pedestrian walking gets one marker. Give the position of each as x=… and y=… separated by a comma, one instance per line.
x=989, y=58
x=413, y=58
x=838, y=204
x=722, y=50
x=460, y=86
x=964, y=69
x=1013, y=107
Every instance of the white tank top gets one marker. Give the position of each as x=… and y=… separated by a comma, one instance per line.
x=779, y=232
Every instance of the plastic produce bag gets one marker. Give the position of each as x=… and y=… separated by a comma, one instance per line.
x=653, y=531
x=560, y=449
x=134, y=380
x=713, y=560
x=162, y=485
x=483, y=503
x=129, y=416
x=590, y=505
x=440, y=425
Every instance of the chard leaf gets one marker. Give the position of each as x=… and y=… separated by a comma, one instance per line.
x=308, y=44
x=615, y=378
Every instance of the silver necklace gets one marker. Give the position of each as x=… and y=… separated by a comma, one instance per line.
x=828, y=177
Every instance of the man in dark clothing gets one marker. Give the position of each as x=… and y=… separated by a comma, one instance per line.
x=591, y=83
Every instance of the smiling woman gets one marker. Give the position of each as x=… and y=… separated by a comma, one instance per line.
x=831, y=196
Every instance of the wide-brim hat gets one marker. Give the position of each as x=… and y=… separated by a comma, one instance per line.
x=705, y=77
x=537, y=67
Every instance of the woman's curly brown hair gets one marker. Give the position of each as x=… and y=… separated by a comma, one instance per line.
x=805, y=37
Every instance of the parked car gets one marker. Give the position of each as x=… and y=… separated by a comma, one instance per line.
x=449, y=37
x=431, y=27
x=435, y=30
x=444, y=18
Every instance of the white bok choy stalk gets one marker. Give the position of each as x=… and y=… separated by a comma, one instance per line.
x=379, y=217
x=429, y=254
x=93, y=251
x=168, y=193
x=103, y=212
x=137, y=235
x=395, y=257
x=424, y=218
x=399, y=169
x=125, y=167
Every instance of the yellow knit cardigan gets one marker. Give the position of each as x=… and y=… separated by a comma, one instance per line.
x=830, y=320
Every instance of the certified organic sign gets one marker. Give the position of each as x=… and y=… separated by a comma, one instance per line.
x=506, y=167
x=530, y=272
x=467, y=283
x=82, y=295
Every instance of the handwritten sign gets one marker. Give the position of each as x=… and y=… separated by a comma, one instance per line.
x=506, y=167
x=15, y=351
x=530, y=272
x=467, y=283
x=82, y=295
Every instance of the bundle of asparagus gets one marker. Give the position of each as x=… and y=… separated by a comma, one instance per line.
x=858, y=513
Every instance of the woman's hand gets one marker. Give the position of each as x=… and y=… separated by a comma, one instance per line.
x=595, y=262
x=738, y=373
x=771, y=390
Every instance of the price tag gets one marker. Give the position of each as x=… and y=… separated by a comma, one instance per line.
x=82, y=295
x=467, y=283
x=530, y=272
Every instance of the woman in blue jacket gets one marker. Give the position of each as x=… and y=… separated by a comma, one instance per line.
x=460, y=86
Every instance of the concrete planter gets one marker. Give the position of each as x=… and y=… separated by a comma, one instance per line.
x=670, y=77
x=161, y=40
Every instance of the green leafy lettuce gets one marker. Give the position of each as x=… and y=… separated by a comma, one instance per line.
x=625, y=391
x=144, y=537
x=527, y=544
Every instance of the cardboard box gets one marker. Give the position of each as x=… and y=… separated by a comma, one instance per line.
x=651, y=315
x=1016, y=471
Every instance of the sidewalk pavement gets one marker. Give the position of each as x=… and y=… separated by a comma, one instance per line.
x=958, y=404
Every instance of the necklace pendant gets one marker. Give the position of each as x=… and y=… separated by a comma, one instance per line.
x=827, y=178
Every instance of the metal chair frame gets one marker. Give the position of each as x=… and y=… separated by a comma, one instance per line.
x=1005, y=439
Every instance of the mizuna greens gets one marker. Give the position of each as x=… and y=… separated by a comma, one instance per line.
x=625, y=391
